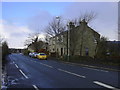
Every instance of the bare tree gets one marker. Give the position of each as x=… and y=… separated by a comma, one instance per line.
x=1, y=39
x=35, y=42
x=32, y=38
x=47, y=37
x=55, y=27
x=88, y=17
x=118, y=28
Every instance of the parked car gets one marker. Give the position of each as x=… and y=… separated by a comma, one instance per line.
x=33, y=54
x=30, y=54
x=41, y=56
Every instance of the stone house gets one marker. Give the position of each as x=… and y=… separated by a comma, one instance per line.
x=78, y=40
x=37, y=46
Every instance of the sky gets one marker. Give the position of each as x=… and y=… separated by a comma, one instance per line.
x=22, y=18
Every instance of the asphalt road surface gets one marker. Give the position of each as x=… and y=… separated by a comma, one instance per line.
x=26, y=72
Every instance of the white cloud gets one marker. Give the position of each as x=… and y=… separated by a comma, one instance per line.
x=15, y=35
x=60, y=0
x=106, y=20
x=39, y=21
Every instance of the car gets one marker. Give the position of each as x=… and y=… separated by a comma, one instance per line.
x=33, y=54
x=42, y=56
x=30, y=54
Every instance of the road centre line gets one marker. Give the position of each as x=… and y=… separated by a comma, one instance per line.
x=23, y=74
x=35, y=87
x=16, y=66
x=46, y=65
x=105, y=85
x=95, y=69
x=71, y=73
x=43, y=64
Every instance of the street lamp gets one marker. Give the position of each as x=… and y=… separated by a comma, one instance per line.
x=68, y=42
x=57, y=18
x=68, y=36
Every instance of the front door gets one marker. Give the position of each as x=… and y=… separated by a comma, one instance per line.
x=61, y=51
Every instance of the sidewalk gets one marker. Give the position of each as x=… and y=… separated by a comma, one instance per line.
x=92, y=65
x=4, y=79
x=97, y=66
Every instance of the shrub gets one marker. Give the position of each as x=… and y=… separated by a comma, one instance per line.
x=5, y=52
x=26, y=52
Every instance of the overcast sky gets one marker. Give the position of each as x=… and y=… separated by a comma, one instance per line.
x=21, y=18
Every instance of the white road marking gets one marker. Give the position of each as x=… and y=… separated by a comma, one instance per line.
x=46, y=65
x=105, y=85
x=95, y=69
x=23, y=74
x=16, y=65
x=35, y=87
x=92, y=67
x=43, y=64
x=104, y=71
x=72, y=73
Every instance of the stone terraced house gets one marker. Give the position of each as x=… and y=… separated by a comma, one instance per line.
x=78, y=40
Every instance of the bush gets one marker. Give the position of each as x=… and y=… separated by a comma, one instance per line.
x=5, y=52
x=26, y=52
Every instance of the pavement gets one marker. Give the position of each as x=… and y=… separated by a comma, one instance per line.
x=26, y=72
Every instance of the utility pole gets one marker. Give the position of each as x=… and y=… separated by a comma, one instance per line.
x=68, y=40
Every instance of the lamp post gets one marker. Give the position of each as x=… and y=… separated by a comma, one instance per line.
x=68, y=43
x=57, y=18
x=68, y=36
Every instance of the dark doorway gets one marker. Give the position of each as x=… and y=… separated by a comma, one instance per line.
x=61, y=51
x=87, y=51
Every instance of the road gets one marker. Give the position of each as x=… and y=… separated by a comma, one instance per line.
x=26, y=72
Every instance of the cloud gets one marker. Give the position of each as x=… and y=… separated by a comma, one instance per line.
x=106, y=20
x=15, y=35
x=38, y=22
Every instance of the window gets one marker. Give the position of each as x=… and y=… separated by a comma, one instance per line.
x=53, y=49
x=53, y=42
x=61, y=38
x=94, y=40
x=57, y=38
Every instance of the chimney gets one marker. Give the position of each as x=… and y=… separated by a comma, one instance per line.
x=71, y=25
x=83, y=22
